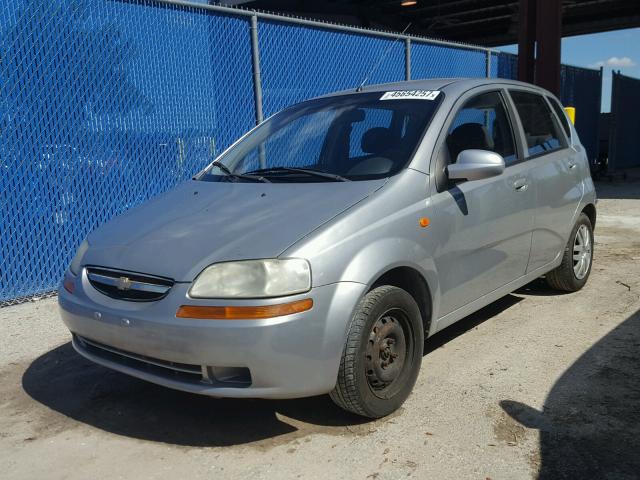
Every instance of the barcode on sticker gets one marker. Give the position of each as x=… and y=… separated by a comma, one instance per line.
x=410, y=95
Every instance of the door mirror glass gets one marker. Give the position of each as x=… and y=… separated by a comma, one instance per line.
x=476, y=165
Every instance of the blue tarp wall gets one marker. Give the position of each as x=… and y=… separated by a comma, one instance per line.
x=624, y=147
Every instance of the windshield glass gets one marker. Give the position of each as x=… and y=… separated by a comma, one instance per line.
x=351, y=137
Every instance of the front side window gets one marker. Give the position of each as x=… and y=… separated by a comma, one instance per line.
x=356, y=137
x=482, y=124
x=541, y=130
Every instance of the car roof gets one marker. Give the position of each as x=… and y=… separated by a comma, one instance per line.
x=453, y=85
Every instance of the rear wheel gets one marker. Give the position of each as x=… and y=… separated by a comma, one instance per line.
x=575, y=268
x=382, y=354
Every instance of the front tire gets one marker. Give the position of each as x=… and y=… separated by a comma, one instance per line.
x=572, y=274
x=382, y=354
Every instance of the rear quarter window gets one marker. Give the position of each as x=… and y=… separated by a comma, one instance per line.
x=541, y=130
x=561, y=115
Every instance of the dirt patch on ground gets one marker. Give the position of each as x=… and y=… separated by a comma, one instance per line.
x=506, y=429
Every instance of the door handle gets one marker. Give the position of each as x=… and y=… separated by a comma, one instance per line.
x=520, y=185
x=572, y=165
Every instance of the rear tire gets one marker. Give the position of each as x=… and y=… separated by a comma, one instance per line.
x=382, y=355
x=572, y=274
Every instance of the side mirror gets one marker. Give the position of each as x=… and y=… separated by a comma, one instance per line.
x=476, y=165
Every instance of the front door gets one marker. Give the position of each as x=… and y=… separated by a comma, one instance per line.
x=486, y=224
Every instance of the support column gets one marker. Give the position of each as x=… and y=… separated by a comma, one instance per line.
x=548, y=36
x=526, y=40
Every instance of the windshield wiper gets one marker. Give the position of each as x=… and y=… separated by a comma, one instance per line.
x=246, y=176
x=307, y=171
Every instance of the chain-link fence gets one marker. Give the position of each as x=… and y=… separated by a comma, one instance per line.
x=106, y=103
x=624, y=147
x=580, y=88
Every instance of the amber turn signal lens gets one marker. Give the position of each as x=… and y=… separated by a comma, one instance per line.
x=424, y=222
x=69, y=283
x=242, y=312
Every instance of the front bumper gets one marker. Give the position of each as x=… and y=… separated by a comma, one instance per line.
x=290, y=356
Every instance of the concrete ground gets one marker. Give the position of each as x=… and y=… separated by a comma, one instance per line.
x=538, y=384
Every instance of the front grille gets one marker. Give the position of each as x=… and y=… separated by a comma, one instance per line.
x=134, y=287
x=238, y=377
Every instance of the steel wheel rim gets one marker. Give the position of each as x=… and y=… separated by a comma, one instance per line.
x=582, y=252
x=388, y=347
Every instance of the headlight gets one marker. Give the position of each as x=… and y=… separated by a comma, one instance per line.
x=76, y=263
x=253, y=279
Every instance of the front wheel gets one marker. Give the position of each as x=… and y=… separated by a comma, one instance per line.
x=382, y=354
x=573, y=272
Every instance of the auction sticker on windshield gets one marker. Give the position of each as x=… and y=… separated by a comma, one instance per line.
x=410, y=95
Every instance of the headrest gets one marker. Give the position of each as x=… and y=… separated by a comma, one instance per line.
x=466, y=136
x=376, y=140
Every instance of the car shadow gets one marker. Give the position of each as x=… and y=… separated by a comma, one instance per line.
x=590, y=422
x=67, y=383
x=469, y=323
x=539, y=288
x=117, y=403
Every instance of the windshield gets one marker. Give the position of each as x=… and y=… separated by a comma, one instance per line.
x=350, y=137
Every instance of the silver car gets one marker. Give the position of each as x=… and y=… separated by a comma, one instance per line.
x=318, y=252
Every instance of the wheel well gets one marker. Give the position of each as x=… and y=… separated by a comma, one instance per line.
x=590, y=211
x=413, y=283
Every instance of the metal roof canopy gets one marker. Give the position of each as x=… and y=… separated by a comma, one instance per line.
x=482, y=22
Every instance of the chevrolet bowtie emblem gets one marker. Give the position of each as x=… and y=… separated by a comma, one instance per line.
x=124, y=283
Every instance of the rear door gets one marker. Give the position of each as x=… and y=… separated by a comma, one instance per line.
x=484, y=225
x=555, y=176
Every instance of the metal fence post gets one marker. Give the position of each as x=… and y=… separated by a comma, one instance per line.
x=407, y=59
x=257, y=81
x=488, y=63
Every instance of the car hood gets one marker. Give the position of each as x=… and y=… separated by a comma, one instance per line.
x=179, y=233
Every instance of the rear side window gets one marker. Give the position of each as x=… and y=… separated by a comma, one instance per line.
x=561, y=115
x=540, y=128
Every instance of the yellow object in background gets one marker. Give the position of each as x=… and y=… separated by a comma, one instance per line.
x=571, y=111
